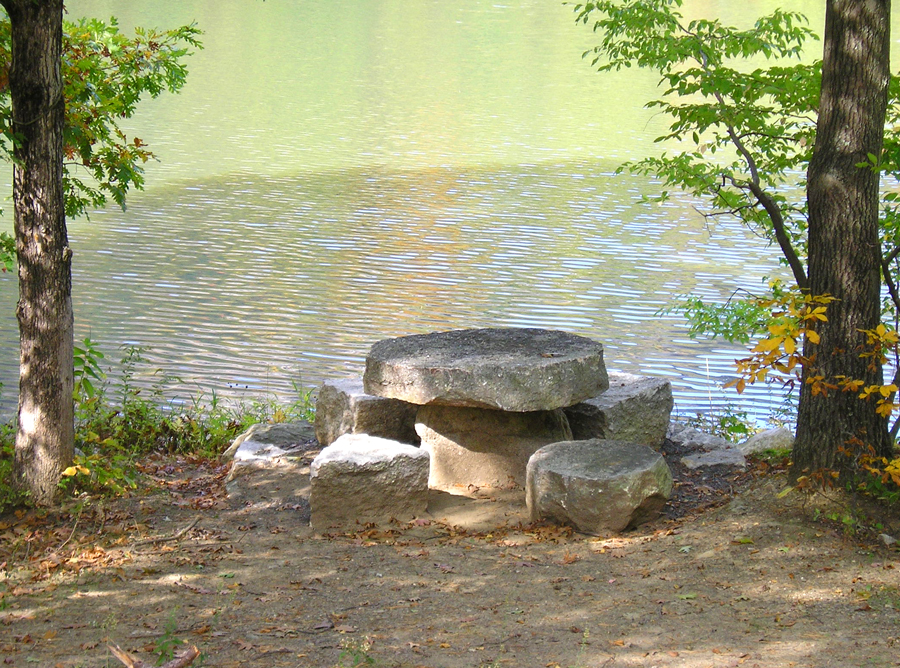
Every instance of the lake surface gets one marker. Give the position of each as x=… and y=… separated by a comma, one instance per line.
x=337, y=174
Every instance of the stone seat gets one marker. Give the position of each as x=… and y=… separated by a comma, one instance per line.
x=636, y=409
x=343, y=407
x=361, y=478
x=597, y=486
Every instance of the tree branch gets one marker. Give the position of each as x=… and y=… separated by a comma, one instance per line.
x=763, y=197
x=781, y=235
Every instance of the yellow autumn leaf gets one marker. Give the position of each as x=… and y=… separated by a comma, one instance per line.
x=768, y=345
x=790, y=345
x=812, y=335
x=885, y=409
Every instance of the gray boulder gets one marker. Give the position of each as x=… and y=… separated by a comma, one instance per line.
x=485, y=448
x=709, y=450
x=361, y=478
x=771, y=439
x=343, y=407
x=507, y=369
x=636, y=409
x=597, y=485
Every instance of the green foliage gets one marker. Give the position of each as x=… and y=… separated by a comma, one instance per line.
x=355, y=653
x=10, y=495
x=105, y=75
x=749, y=130
x=735, y=321
x=116, y=427
x=879, y=478
x=167, y=643
x=87, y=359
x=742, y=115
x=728, y=423
x=7, y=252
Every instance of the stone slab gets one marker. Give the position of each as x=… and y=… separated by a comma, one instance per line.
x=343, y=407
x=360, y=479
x=517, y=370
x=484, y=448
x=636, y=409
x=597, y=485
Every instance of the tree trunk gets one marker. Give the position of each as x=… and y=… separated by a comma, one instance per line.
x=844, y=255
x=45, y=437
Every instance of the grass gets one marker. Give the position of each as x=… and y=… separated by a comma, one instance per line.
x=116, y=427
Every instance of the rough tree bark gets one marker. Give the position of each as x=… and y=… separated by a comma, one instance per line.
x=844, y=259
x=45, y=437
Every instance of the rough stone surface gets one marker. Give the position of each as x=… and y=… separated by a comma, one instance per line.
x=269, y=468
x=360, y=479
x=771, y=439
x=485, y=448
x=507, y=369
x=636, y=409
x=713, y=450
x=597, y=485
x=264, y=442
x=343, y=407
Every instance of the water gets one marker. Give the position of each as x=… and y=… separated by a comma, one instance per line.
x=332, y=176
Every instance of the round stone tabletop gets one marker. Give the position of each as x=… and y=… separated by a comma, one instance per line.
x=506, y=369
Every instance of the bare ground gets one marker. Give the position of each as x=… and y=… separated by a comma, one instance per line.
x=732, y=576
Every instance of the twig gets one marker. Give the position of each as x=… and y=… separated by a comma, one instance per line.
x=74, y=528
x=130, y=661
x=165, y=539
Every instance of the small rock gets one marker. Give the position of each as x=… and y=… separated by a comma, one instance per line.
x=771, y=439
x=709, y=450
x=284, y=436
x=888, y=540
x=267, y=468
x=731, y=456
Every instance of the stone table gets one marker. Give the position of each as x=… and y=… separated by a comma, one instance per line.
x=489, y=398
x=505, y=369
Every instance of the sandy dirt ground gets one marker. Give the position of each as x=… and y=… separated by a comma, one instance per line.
x=733, y=575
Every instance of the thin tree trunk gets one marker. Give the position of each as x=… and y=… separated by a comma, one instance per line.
x=44, y=441
x=843, y=236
